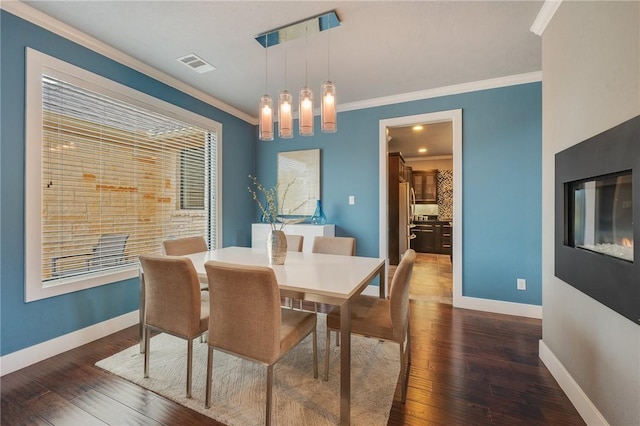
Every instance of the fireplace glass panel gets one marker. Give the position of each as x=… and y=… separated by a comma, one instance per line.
x=601, y=215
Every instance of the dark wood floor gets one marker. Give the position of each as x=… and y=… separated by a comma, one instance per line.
x=468, y=368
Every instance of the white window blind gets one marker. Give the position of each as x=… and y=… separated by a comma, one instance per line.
x=192, y=178
x=117, y=180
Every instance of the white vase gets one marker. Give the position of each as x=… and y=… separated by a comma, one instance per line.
x=276, y=247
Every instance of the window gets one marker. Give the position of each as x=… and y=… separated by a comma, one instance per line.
x=111, y=173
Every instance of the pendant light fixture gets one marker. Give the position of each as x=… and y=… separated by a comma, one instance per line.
x=285, y=108
x=265, y=129
x=316, y=24
x=305, y=114
x=328, y=117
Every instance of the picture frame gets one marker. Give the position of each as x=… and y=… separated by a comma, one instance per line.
x=299, y=178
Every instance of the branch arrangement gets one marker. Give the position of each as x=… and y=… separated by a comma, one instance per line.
x=269, y=207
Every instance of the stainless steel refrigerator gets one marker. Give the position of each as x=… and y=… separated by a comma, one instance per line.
x=406, y=200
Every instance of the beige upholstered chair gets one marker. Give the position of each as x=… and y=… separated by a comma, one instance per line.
x=295, y=242
x=345, y=246
x=182, y=246
x=256, y=327
x=173, y=304
x=386, y=319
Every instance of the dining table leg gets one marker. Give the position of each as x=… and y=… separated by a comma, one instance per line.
x=345, y=363
x=382, y=273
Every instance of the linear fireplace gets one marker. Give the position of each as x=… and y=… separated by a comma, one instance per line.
x=597, y=217
x=600, y=215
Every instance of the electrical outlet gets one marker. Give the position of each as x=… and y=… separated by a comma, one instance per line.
x=352, y=200
x=521, y=284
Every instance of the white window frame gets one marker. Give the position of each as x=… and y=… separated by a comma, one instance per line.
x=38, y=64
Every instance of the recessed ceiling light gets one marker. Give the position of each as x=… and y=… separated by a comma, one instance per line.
x=196, y=63
x=417, y=127
x=422, y=150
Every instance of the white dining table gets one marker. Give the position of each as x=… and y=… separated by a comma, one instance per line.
x=323, y=278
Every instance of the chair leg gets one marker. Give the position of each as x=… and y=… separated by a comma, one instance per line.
x=189, y=365
x=327, y=351
x=146, y=351
x=403, y=377
x=315, y=354
x=207, y=400
x=269, y=388
x=408, y=348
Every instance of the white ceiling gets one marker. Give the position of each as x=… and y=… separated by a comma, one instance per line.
x=381, y=48
x=436, y=138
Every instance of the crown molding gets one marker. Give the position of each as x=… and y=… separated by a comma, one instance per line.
x=547, y=11
x=40, y=19
x=455, y=89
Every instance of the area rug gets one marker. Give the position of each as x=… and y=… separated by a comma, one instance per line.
x=239, y=397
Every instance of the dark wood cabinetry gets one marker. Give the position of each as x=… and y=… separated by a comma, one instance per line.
x=432, y=238
x=444, y=238
x=396, y=174
x=408, y=175
x=398, y=170
x=425, y=185
x=424, y=242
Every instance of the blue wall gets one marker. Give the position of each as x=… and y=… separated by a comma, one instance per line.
x=501, y=203
x=502, y=160
x=26, y=324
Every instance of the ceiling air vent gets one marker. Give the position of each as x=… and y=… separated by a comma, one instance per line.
x=196, y=63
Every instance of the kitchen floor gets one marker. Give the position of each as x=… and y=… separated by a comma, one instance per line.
x=432, y=278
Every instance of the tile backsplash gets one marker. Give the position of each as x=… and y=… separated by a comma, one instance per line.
x=445, y=194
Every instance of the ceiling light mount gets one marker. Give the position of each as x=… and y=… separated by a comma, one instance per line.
x=308, y=26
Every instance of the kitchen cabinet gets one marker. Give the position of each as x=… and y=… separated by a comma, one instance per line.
x=408, y=175
x=424, y=242
x=398, y=171
x=444, y=242
x=396, y=175
x=434, y=237
x=425, y=185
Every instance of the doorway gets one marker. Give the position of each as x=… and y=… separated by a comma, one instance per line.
x=455, y=117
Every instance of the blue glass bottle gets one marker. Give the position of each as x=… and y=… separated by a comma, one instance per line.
x=318, y=217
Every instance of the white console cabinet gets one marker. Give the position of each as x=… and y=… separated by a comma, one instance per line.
x=259, y=232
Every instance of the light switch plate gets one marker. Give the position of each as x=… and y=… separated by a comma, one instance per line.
x=352, y=200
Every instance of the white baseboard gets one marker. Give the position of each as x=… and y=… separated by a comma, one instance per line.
x=578, y=398
x=28, y=356
x=498, y=307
